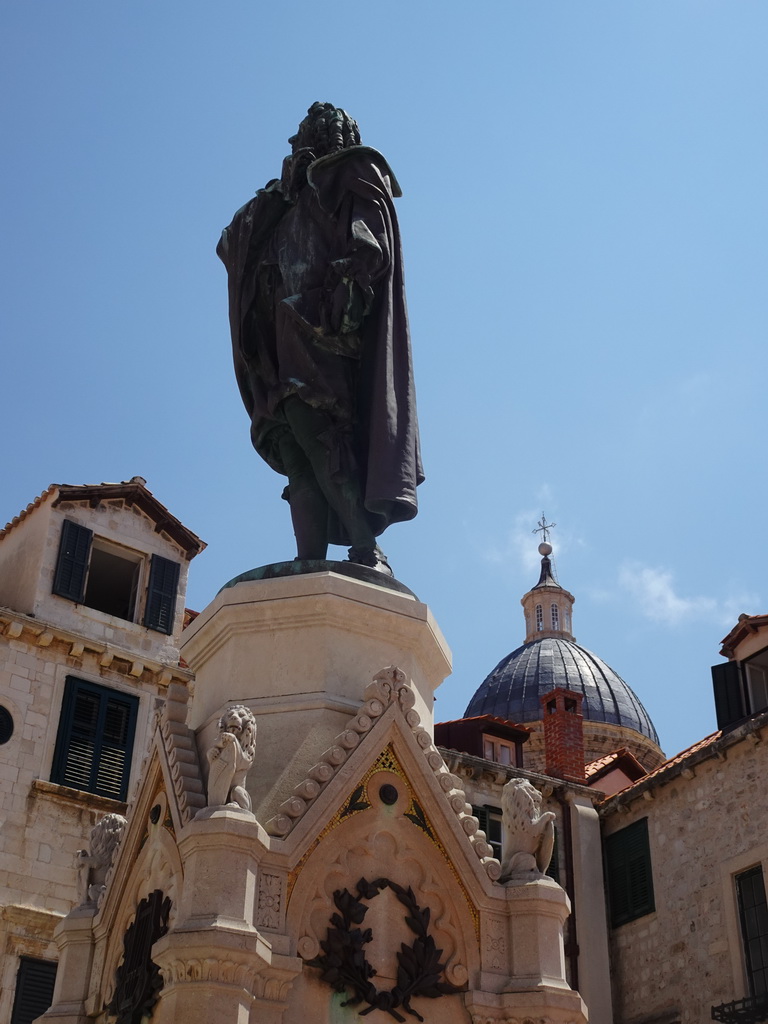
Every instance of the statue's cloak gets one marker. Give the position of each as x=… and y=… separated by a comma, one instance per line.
x=349, y=201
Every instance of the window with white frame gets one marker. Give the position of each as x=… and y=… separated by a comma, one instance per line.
x=539, y=618
x=500, y=751
x=555, y=617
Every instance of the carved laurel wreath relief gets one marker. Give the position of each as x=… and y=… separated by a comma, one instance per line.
x=344, y=965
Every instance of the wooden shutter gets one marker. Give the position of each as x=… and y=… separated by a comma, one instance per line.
x=628, y=873
x=34, y=989
x=95, y=739
x=161, y=594
x=482, y=816
x=72, y=564
x=729, y=693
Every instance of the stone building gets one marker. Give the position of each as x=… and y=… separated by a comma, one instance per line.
x=683, y=840
x=298, y=794
x=92, y=585
x=687, y=854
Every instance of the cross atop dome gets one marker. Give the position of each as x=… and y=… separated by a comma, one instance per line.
x=547, y=605
x=543, y=527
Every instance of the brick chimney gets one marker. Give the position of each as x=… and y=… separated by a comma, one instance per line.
x=564, y=734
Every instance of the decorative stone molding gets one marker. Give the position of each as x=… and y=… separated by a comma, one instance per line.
x=231, y=757
x=211, y=969
x=94, y=864
x=528, y=834
x=389, y=687
x=181, y=751
x=249, y=975
x=271, y=901
x=16, y=626
x=482, y=1018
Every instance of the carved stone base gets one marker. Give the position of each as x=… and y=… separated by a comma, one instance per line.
x=554, y=1006
x=74, y=936
x=299, y=652
x=221, y=977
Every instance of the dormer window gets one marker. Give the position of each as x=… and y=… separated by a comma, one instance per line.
x=118, y=581
x=555, y=617
x=498, y=750
x=539, y=618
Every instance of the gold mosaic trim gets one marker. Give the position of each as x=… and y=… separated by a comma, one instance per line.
x=386, y=761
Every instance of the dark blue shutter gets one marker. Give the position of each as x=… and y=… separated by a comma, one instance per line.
x=34, y=989
x=628, y=873
x=161, y=594
x=729, y=693
x=72, y=564
x=95, y=739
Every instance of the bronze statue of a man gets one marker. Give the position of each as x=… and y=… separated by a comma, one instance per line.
x=320, y=338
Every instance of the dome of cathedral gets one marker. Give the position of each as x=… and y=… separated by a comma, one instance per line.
x=514, y=689
x=550, y=659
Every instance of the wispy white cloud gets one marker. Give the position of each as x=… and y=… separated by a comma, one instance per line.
x=518, y=546
x=658, y=599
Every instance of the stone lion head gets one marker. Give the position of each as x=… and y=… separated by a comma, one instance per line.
x=240, y=722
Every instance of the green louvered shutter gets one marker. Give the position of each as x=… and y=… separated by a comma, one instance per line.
x=95, y=739
x=161, y=594
x=729, y=693
x=34, y=989
x=628, y=873
x=482, y=816
x=72, y=563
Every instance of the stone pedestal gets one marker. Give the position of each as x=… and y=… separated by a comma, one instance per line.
x=299, y=652
x=536, y=986
x=537, y=913
x=74, y=937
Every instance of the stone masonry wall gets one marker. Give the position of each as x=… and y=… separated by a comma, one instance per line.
x=706, y=824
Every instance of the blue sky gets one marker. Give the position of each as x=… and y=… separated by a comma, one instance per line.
x=584, y=222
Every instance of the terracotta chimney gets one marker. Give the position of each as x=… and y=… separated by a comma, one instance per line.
x=564, y=734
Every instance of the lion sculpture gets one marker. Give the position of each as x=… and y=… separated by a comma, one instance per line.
x=231, y=757
x=94, y=864
x=528, y=834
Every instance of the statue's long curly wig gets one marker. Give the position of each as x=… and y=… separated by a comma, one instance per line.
x=328, y=129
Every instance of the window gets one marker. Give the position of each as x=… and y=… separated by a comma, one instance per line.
x=628, y=873
x=6, y=725
x=34, y=989
x=539, y=618
x=498, y=750
x=555, y=618
x=753, y=914
x=490, y=822
x=757, y=682
x=95, y=739
x=92, y=571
